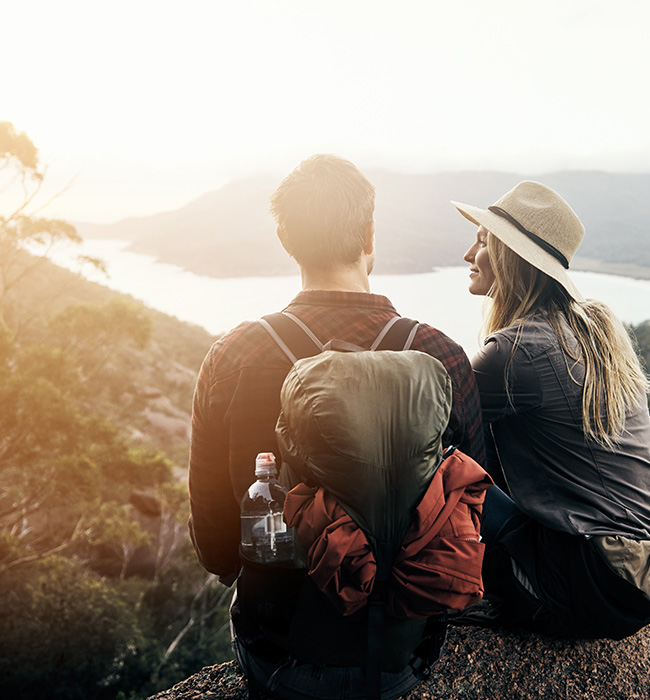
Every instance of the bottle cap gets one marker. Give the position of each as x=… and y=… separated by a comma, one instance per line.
x=265, y=463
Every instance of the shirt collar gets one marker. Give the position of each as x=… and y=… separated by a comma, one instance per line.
x=319, y=297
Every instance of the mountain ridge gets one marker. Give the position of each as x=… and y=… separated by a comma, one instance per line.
x=229, y=232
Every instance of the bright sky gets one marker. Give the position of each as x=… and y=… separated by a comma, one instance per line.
x=151, y=103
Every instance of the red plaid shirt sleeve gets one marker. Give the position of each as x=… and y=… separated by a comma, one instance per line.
x=465, y=429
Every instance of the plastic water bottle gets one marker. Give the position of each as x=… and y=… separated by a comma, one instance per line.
x=265, y=536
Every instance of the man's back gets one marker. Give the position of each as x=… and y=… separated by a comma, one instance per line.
x=237, y=403
x=324, y=211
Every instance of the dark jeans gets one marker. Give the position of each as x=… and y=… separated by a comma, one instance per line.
x=552, y=582
x=291, y=680
x=296, y=681
x=500, y=516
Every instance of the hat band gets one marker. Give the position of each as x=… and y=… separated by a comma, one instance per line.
x=545, y=245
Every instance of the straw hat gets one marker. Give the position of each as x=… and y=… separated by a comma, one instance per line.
x=538, y=225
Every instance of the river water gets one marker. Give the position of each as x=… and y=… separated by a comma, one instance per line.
x=439, y=298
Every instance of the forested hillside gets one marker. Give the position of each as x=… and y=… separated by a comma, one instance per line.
x=96, y=569
x=97, y=574
x=102, y=596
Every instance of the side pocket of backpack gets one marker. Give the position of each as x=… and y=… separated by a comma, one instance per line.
x=267, y=595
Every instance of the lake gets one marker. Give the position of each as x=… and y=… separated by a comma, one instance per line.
x=439, y=298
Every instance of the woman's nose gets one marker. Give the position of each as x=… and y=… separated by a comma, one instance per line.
x=469, y=255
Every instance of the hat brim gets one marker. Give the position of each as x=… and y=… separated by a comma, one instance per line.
x=522, y=245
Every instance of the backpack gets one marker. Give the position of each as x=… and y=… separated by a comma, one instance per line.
x=389, y=527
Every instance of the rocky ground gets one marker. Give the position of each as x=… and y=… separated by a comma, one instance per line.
x=494, y=664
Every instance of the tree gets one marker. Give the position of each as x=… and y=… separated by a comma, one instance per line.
x=39, y=426
x=642, y=335
x=114, y=528
x=22, y=232
x=67, y=634
x=60, y=463
x=15, y=146
x=101, y=593
x=94, y=333
x=69, y=527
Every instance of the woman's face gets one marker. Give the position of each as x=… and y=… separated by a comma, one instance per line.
x=481, y=276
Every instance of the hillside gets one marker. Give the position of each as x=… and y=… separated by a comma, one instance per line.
x=146, y=388
x=100, y=586
x=229, y=232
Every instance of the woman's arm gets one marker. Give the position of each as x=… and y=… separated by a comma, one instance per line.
x=495, y=366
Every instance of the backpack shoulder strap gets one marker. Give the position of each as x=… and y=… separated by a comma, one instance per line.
x=297, y=342
x=397, y=334
x=292, y=335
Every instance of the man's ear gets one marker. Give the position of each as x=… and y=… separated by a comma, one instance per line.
x=278, y=231
x=369, y=242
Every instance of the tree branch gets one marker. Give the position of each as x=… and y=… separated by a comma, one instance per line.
x=193, y=618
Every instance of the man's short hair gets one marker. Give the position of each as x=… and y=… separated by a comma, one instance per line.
x=323, y=209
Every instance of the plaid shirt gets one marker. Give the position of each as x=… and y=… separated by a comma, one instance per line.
x=237, y=403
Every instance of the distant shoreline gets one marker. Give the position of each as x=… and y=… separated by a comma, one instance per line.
x=579, y=264
x=620, y=269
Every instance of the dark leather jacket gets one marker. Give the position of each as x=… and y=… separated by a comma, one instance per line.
x=553, y=474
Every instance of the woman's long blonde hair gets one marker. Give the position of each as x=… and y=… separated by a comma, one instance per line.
x=614, y=379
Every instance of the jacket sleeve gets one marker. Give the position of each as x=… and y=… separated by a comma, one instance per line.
x=214, y=513
x=507, y=381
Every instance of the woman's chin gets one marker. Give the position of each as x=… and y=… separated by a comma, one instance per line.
x=476, y=290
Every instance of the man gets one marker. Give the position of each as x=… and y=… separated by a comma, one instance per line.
x=324, y=214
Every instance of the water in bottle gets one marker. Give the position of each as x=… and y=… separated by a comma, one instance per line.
x=265, y=536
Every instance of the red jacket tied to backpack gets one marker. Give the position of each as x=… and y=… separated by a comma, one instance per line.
x=438, y=565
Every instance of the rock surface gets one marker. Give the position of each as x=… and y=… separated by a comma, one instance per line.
x=492, y=664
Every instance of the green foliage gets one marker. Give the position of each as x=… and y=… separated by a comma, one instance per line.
x=37, y=414
x=77, y=618
x=642, y=336
x=19, y=147
x=84, y=329
x=67, y=634
x=114, y=527
x=98, y=338
x=74, y=619
x=21, y=231
x=101, y=591
x=98, y=596
x=42, y=233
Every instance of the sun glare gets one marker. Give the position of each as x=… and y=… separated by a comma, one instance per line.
x=153, y=104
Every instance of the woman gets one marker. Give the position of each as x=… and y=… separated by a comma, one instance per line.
x=568, y=547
